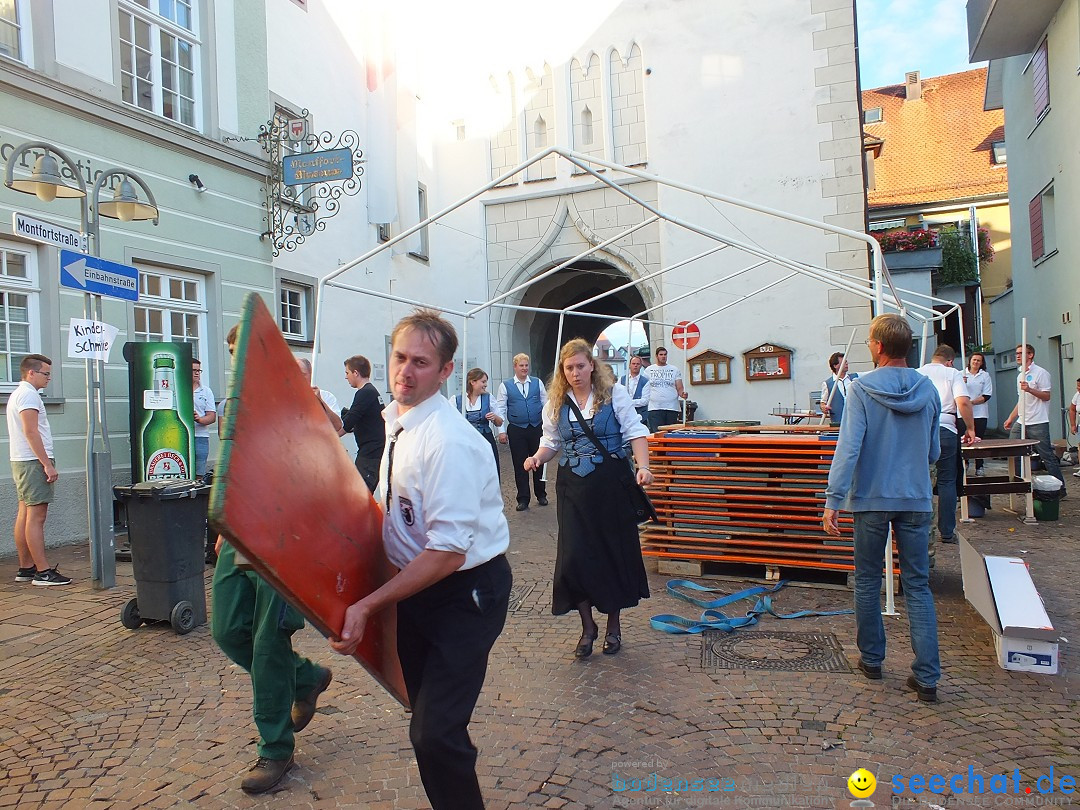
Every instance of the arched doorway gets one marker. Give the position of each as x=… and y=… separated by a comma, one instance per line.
x=578, y=282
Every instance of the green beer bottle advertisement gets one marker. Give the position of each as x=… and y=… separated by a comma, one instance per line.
x=161, y=411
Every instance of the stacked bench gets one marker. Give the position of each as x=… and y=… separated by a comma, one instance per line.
x=749, y=496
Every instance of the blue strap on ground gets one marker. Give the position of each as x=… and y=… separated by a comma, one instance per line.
x=713, y=619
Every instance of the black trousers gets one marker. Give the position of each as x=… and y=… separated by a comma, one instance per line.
x=369, y=471
x=444, y=636
x=524, y=442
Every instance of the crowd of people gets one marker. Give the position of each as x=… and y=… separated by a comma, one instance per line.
x=432, y=464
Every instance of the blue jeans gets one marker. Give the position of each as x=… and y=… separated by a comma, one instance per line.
x=946, y=483
x=202, y=454
x=1041, y=431
x=912, y=536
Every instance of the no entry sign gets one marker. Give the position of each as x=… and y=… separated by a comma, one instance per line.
x=685, y=335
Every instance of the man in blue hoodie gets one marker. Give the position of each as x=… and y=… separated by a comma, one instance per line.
x=881, y=473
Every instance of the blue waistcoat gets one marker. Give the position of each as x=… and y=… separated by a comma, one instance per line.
x=578, y=452
x=641, y=380
x=476, y=418
x=837, y=406
x=523, y=411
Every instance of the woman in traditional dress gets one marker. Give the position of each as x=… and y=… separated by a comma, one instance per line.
x=478, y=409
x=598, y=563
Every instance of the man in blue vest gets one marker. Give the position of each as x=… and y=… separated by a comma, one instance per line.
x=519, y=404
x=840, y=379
x=637, y=384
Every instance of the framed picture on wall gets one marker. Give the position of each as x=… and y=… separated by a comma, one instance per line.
x=768, y=362
x=710, y=368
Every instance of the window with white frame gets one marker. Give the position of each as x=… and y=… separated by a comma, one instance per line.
x=159, y=58
x=19, y=310
x=15, y=41
x=422, y=207
x=171, y=308
x=295, y=302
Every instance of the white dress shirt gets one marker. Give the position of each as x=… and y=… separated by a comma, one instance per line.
x=445, y=491
x=629, y=420
x=631, y=387
x=524, y=386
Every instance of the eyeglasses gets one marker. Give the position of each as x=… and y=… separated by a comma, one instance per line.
x=196, y=371
x=44, y=373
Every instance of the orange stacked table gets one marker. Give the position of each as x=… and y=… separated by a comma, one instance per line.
x=751, y=496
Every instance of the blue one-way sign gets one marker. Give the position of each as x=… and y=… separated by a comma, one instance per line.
x=98, y=276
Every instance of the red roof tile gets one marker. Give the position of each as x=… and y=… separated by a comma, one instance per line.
x=938, y=147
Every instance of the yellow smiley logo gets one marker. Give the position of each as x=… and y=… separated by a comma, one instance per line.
x=861, y=783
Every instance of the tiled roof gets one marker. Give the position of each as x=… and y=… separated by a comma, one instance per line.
x=935, y=148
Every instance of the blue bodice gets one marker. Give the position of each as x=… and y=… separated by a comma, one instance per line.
x=579, y=454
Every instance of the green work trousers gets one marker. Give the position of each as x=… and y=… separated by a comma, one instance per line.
x=253, y=625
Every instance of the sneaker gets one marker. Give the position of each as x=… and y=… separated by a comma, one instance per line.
x=26, y=574
x=948, y=540
x=927, y=694
x=303, y=709
x=265, y=774
x=979, y=473
x=1076, y=474
x=50, y=576
x=871, y=671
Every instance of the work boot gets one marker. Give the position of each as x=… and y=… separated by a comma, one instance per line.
x=303, y=709
x=265, y=774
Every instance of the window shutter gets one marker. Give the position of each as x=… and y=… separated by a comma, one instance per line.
x=1040, y=81
x=1035, y=219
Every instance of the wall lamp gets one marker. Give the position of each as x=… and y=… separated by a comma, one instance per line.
x=195, y=181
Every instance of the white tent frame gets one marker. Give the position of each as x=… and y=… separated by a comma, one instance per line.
x=872, y=290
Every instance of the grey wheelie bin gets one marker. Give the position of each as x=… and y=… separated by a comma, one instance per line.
x=167, y=530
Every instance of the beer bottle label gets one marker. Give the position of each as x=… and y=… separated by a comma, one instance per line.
x=165, y=464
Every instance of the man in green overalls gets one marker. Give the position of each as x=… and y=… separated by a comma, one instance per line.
x=253, y=625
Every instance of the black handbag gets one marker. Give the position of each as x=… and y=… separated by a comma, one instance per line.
x=636, y=496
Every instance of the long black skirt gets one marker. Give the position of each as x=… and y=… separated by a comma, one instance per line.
x=599, y=553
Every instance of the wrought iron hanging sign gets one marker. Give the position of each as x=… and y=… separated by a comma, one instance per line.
x=309, y=173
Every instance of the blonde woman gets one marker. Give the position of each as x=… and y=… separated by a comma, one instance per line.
x=598, y=562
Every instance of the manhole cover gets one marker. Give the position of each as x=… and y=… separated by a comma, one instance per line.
x=768, y=650
x=519, y=594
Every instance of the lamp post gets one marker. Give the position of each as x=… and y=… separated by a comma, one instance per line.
x=47, y=183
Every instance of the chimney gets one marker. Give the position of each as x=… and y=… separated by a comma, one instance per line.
x=912, y=86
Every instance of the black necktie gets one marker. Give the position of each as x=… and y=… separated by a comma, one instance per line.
x=390, y=468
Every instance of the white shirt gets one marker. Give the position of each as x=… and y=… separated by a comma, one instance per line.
x=629, y=420
x=949, y=383
x=663, y=395
x=1035, y=411
x=980, y=385
x=631, y=387
x=204, y=401
x=445, y=491
x=841, y=384
x=522, y=385
x=26, y=398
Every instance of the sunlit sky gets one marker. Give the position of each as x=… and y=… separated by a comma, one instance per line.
x=897, y=36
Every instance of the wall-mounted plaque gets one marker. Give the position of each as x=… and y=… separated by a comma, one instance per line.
x=710, y=368
x=768, y=362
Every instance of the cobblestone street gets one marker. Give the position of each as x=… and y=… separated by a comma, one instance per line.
x=95, y=715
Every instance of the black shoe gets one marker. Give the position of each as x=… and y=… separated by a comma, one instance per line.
x=543, y=501
x=26, y=574
x=522, y=506
x=871, y=671
x=949, y=540
x=584, y=646
x=612, y=643
x=927, y=694
x=265, y=774
x=50, y=576
x=303, y=709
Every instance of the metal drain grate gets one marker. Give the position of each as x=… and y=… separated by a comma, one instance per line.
x=772, y=651
x=519, y=595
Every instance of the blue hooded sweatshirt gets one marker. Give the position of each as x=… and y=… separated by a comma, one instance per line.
x=888, y=440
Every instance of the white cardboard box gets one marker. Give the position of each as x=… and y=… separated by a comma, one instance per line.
x=1002, y=591
x=1026, y=654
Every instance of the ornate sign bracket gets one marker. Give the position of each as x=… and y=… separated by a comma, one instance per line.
x=295, y=212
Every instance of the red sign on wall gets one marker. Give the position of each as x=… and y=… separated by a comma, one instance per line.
x=685, y=335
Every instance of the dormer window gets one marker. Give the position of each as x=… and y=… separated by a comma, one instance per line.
x=872, y=115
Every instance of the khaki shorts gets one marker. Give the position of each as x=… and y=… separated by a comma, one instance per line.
x=31, y=485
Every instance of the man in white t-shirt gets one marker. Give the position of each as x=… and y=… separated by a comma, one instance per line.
x=1072, y=416
x=665, y=391
x=34, y=469
x=955, y=400
x=1033, y=395
x=205, y=415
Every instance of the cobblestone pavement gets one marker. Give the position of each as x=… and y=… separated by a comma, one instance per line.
x=95, y=715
